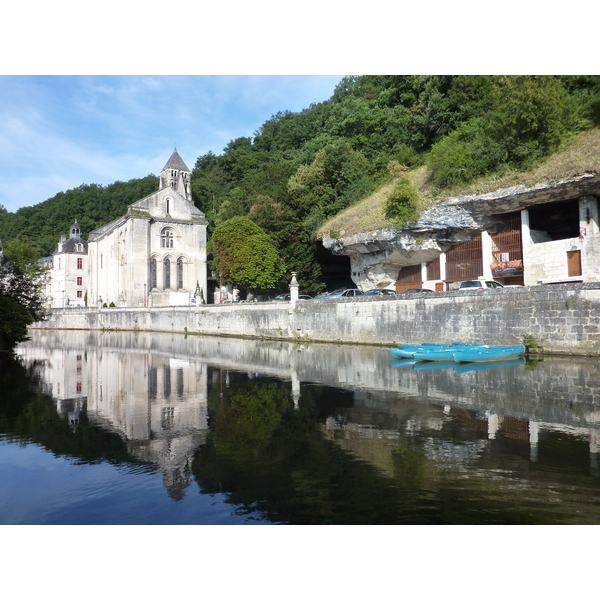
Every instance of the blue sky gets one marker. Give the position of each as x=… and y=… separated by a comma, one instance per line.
x=59, y=131
x=95, y=95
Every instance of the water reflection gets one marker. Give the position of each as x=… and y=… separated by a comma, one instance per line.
x=293, y=433
x=154, y=400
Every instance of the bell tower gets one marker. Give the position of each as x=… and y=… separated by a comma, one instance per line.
x=176, y=175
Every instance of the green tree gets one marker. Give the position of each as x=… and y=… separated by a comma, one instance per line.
x=21, y=298
x=246, y=256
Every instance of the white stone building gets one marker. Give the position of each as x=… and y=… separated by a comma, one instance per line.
x=69, y=280
x=155, y=255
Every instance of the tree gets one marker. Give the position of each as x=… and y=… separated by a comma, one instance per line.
x=246, y=255
x=21, y=291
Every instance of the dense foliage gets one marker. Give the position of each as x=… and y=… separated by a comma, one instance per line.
x=245, y=255
x=303, y=168
x=300, y=169
x=92, y=205
x=21, y=298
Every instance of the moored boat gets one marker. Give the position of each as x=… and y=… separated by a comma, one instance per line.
x=493, y=353
x=444, y=354
x=458, y=352
x=410, y=350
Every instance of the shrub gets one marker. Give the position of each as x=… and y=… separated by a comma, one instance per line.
x=401, y=204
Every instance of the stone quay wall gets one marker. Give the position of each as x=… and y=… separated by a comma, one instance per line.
x=563, y=318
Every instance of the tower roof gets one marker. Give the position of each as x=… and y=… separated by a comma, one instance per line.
x=176, y=162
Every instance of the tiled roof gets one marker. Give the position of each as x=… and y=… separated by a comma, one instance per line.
x=176, y=162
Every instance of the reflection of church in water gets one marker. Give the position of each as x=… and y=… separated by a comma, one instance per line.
x=155, y=401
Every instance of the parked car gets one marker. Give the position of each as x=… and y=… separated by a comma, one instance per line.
x=261, y=298
x=321, y=295
x=344, y=293
x=287, y=297
x=380, y=293
x=418, y=291
x=479, y=284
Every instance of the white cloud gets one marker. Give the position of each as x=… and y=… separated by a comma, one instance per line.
x=59, y=132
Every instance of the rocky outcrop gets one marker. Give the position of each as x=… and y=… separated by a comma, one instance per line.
x=376, y=256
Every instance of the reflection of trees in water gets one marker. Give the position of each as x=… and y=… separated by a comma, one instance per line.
x=289, y=468
x=271, y=459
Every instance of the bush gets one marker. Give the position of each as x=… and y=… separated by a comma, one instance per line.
x=465, y=154
x=401, y=205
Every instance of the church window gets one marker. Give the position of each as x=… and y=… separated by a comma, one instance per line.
x=80, y=281
x=80, y=263
x=167, y=264
x=101, y=255
x=167, y=206
x=179, y=274
x=79, y=294
x=153, y=283
x=59, y=263
x=166, y=240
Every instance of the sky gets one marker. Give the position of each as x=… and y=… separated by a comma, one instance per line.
x=102, y=94
x=60, y=131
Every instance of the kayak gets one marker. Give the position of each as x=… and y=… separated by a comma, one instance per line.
x=433, y=351
x=493, y=353
x=458, y=352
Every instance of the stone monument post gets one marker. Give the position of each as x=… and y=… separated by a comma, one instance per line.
x=294, y=285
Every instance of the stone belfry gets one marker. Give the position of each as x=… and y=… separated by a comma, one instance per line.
x=176, y=175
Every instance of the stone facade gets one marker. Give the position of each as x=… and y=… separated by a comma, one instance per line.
x=153, y=255
x=69, y=271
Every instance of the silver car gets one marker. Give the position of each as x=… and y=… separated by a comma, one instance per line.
x=344, y=293
x=479, y=284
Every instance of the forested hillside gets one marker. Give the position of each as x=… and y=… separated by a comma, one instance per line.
x=300, y=169
x=92, y=205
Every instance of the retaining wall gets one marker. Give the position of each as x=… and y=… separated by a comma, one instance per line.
x=565, y=319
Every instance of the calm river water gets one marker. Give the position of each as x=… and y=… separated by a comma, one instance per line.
x=138, y=428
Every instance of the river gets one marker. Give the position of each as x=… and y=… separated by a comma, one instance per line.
x=140, y=428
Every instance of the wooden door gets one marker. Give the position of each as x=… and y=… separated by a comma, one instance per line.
x=574, y=263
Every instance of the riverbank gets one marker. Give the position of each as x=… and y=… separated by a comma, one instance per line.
x=563, y=319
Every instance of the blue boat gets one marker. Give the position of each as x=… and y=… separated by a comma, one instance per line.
x=406, y=351
x=458, y=352
x=493, y=353
x=444, y=354
x=430, y=351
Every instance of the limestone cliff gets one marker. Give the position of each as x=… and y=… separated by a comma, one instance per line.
x=376, y=256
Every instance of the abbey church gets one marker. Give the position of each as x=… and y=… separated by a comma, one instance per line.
x=154, y=255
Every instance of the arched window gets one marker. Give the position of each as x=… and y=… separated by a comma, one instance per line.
x=153, y=282
x=179, y=274
x=166, y=238
x=167, y=268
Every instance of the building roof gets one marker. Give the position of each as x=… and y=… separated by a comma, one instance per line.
x=70, y=246
x=176, y=162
